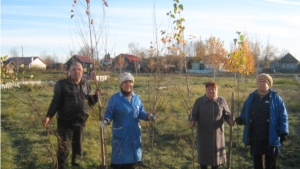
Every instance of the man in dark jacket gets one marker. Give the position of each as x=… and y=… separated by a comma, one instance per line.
x=71, y=99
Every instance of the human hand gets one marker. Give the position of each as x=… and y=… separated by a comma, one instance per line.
x=151, y=117
x=104, y=123
x=231, y=122
x=283, y=138
x=239, y=120
x=99, y=91
x=45, y=121
x=191, y=124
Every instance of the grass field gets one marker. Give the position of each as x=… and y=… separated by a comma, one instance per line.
x=167, y=143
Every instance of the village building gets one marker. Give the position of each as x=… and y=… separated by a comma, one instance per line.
x=10, y=67
x=127, y=62
x=33, y=62
x=287, y=64
x=86, y=62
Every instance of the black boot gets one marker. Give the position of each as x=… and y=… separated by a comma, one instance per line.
x=61, y=166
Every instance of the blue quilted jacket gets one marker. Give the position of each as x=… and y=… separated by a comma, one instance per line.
x=278, y=121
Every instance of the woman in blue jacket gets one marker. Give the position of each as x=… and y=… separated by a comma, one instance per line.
x=265, y=121
x=125, y=109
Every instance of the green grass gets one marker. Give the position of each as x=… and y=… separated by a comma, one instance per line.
x=25, y=143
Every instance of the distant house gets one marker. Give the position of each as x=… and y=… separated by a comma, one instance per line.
x=202, y=67
x=198, y=66
x=287, y=63
x=87, y=64
x=32, y=62
x=106, y=62
x=259, y=66
x=127, y=62
x=10, y=67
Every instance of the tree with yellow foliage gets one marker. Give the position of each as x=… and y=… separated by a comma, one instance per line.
x=151, y=64
x=216, y=53
x=241, y=62
x=3, y=68
x=200, y=50
x=120, y=63
x=241, y=59
x=250, y=63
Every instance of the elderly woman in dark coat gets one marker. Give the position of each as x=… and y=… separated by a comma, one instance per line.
x=265, y=121
x=209, y=111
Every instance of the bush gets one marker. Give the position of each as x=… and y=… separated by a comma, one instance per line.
x=26, y=88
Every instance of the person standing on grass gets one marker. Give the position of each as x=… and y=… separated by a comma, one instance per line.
x=265, y=121
x=209, y=112
x=124, y=110
x=71, y=99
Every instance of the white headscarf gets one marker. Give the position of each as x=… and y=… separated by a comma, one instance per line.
x=124, y=77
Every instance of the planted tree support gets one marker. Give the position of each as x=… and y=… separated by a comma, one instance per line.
x=230, y=133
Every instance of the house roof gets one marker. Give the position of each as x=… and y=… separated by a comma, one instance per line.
x=84, y=59
x=288, y=58
x=23, y=60
x=7, y=62
x=132, y=57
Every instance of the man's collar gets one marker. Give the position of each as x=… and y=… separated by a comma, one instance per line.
x=81, y=81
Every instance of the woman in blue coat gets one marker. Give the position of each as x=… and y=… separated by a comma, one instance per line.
x=265, y=121
x=124, y=110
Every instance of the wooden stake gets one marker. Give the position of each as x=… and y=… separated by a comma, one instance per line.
x=230, y=133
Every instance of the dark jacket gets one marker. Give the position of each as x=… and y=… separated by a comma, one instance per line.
x=71, y=101
x=278, y=118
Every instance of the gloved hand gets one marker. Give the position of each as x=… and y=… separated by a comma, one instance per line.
x=104, y=123
x=282, y=137
x=239, y=120
x=151, y=117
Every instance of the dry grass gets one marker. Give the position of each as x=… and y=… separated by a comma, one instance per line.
x=25, y=142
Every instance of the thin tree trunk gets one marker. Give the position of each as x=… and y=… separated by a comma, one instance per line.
x=102, y=140
x=230, y=133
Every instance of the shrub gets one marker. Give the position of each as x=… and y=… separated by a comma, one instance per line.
x=26, y=88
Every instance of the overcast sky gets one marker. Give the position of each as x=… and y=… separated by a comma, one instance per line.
x=45, y=25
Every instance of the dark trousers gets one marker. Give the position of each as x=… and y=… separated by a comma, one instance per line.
x=123, y=166
x=205, y=167
x=69, y=135
x=269, y=161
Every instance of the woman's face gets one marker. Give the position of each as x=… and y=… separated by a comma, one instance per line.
x=127, y=86
x=262, y=85
x=210, y=92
